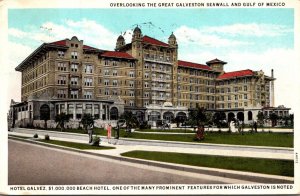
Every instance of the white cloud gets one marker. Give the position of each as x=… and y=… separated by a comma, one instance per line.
x=16, y=54
x=17, y=33
x=252, y=29
x=90, y=31
x=186, y=36
x=283, y=61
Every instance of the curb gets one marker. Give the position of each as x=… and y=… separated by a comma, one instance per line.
x=226, y=173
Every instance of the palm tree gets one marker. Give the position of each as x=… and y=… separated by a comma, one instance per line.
x=61, y=119
x=87, y=120
x=273, y=117
x=260, y=118
x=130, y=119
x=291, y=118
x=197, y=117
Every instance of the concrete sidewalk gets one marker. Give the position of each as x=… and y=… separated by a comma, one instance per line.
x=126, y=144
x=231, y=175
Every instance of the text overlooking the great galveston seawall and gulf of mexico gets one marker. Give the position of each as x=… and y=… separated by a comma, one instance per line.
x=195, y=4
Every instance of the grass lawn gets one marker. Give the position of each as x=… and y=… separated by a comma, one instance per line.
x=168, y=130
x=76, y=145
x=252, y=139
x=257, y=165
x=257, y=139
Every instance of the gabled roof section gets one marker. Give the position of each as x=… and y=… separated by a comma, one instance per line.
x=86, y=47
x=193, y=65
x=234, y=74
x=115, y=54
x=215, y=61
x=153, y=41
x=60, y=43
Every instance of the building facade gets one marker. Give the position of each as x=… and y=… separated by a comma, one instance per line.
x=144, y=76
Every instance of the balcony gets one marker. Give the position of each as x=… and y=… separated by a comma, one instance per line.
x=158, y=98
x=160, y=80
x=75, y=74
x=74, y=86
x=158, y=60
x=159, y=89
x=161, y=71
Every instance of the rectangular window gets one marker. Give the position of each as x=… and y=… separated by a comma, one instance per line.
x=115, y=73
x=88, y=81
x=115, y=63
x=146, y=84
x=131, y=64
x=62, y=66
x=131, y=93
x=61, y=93
x=87, y=94
x=74, y=94
x=88, y=69
x=61, y=54
x=106, y=92
x=131, y=103
x=74, y=81
x=74, y=67
x=74, y=55
x=106, y=82
x=131, y=83
x=61, y=80
x=106, y=72
x=245, y=88
x=131, y=74
x=115, y=82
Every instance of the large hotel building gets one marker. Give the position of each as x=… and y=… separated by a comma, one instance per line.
x=144, y=76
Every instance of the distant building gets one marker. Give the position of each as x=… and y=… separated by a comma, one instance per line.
x=143, y=76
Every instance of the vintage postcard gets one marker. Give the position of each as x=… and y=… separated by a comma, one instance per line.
x=149, y=97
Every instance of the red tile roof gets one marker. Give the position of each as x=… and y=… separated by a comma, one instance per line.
x=64, y=43
x=215, y=61
x=193, y=65
x=234, y=74
x=153, y=41
x=117, y=54
x=89, y=47
x=61, y=42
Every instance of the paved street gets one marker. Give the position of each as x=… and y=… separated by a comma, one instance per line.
x=31, y=164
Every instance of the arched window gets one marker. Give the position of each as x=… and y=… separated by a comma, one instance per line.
x=114, y=113
x=250, y=115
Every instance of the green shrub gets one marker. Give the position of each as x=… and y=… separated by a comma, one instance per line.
x=35, y=135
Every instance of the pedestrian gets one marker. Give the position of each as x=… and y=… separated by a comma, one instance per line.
x=108, y=133
x=90, y=132
x=255, y=127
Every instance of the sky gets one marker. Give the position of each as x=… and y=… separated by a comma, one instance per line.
x=257, y=39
